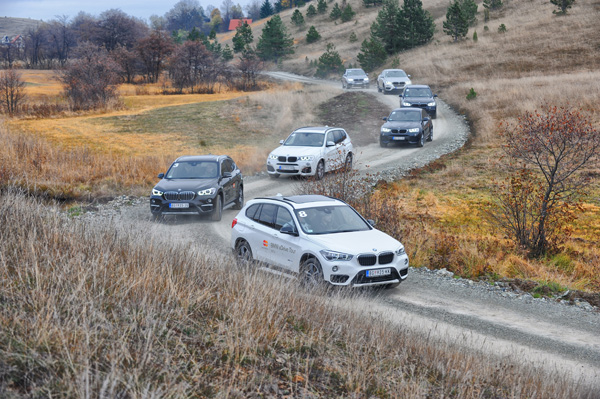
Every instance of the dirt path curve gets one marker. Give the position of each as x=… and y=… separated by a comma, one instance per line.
x=551, y=335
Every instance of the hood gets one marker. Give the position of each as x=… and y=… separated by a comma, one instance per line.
x=395, y=79
x=358, y=242
x=296, y=151
x=186, y=184
x=402, y=124
x=425, y=99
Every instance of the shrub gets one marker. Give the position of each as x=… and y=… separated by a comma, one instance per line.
x=12, y=91
x=336, y=12
x=353, y=37
x=330, y=62
x=297, y=18
x=502, y=28
x=475, y=36
x=472, y=94
x=347, y=13
x=312, y=35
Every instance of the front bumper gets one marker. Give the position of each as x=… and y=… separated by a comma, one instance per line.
x=197, y=206
x=406, y=138
x=291, y=167
x=361, y=84
x=393, y=87
x=359, y=272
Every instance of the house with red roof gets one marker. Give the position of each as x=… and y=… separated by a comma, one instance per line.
x=234, y=23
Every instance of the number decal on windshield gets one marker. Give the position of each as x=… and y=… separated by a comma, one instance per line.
x=302, y=214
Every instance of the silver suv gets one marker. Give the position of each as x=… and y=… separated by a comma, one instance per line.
x=355, y=77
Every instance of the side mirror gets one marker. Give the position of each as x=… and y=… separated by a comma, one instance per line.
x=385, y=118
x=161, y=175
x=281, y=142
x=435, y=95
x=288, y=229
x=371, y=222
x=330, y=144
x=227, y=174
x=408, y=76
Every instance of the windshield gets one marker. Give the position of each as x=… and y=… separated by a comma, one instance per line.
x=417, y=92
x=405, y=116
x=305, y=139
x=395, y=74
x=330, y=220
x=193, y=170
x=356, y=72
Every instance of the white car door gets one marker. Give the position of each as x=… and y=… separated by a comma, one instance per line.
x=286, y=246
x=332, y=154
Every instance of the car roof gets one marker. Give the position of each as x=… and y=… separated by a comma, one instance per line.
x=305, y=200
x=393, y=69
x=197, y=158
x=408, y=109
x=355, y=69
x=417, y=87
x=315, y=129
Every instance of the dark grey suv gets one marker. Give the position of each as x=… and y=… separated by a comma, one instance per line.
x=419, y=96
x=406, y=125
x=355, y=77
x=198, y=185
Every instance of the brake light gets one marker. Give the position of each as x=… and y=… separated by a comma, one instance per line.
x=233, y=222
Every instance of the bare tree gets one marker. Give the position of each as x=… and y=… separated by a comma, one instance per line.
x=12, y=91
x=61, y=38
x=250, y=66
x=548, y=153
x=128, y=61
x=187, y=64
x=117, y=29
x=91, y=80
x=153, y=51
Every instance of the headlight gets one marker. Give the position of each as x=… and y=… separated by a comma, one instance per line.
x=156, y=192
x=271, y=156
x=306, y=158
x=400, y=251
x=208, y=191
x=405, y=104
x=414, y=130
x=385, y=130
x=366, y=79
x=332, y=255
x=408, y=82
x=431, y=104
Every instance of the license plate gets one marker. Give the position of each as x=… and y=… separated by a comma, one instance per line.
x=379, y=272
x=398, y=138
x=286, y=167
x=179, y=205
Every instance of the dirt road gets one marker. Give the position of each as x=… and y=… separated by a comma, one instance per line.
x=551, y=335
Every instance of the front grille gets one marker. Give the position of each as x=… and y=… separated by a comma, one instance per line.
x=367, y=260
x=287, y=159
x=418, y=105
x=385, y=258
x=179, y=196
x=398, y=83
x=398, y=130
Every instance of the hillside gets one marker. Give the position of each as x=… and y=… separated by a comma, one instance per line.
x=10, y=26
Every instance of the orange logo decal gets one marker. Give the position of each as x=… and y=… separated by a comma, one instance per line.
x=265, y=243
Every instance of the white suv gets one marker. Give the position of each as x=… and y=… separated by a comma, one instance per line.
x=318, y=238
x=311, y=151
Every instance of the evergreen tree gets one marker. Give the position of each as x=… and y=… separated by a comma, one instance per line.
x=274, y=43
x=418, y=25
x=563, y=5
x=321, y=6
x=297, y=18
x=352, y=37
x=329, y=62
x=336, y=12
x=386, y=27
x=347, y=13
x=456, y=24
x=312, y=35
x=492, y=4
x=372, y=54
x=266, y=9
x=311, y=11
x=227, y=53
x=470, y=9
x=243, y=37
x=194, y=35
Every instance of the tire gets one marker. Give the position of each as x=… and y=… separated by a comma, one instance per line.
x=320, y=172
x=430, y=138
x=311, y=274
x=421, y=142
x=348, y=163
x=243, y=251
x=239, y=202
x=344, y=86
x=274, y=175
x=378, y=89
x=382, y=144
x=218, y=212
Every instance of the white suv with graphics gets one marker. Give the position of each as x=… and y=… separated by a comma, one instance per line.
x=319, y=239
x=311, y=151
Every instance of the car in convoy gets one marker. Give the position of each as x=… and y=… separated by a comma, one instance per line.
x=419, y=96
x=319, y=239
x=355, y=77
x=392, y=80
x=198, y=185
x=311, y=151
x=407, y=126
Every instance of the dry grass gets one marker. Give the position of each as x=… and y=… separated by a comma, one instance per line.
x=94, y=310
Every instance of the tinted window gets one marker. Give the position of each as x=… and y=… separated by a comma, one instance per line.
x=340, y=136
x=305, y=139
x=284, y=217
x=330, y=137
x=330, y=220
x=227, y=166
x=267, y=215
x=251, y=211
x=193, y=170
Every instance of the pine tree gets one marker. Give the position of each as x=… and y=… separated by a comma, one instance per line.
x=329, y=62
x=347, y=13
x=563, y=5
x=372, y=54
x=456, y=24
x=297, y=18
x=227, y=53
x=266, y=10
x=243, y=37
x=492, y=4
x=387, y=29
x=311, y=11
x=274, y=43
x=417, y=24
x=321, y=6
x=470, y=9
x=312, y=35
x=336, y=12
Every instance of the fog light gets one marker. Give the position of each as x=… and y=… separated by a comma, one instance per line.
x=335, y=269
x=209, y=200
